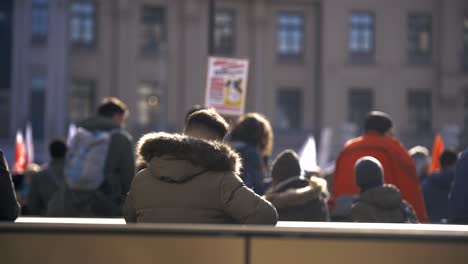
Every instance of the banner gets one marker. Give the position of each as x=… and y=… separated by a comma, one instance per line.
x=226, y=87
x=21, y=159
x=437, y=149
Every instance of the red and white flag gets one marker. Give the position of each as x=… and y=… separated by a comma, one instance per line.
x=29, y=144
x=21, y=159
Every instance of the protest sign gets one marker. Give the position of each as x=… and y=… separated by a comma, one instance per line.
x=226, y=87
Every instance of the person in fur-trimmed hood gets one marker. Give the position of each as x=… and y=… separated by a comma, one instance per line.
x=378, y=202
x=193, y=178
x=296, y=197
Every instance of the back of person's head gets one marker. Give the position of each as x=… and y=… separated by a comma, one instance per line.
x=192, y=110
x=448, y=158
x=207, y=124
x=57, y=149
x=377, y=121
x=254, y=129
x=286, y=165
x=368, y=173
x=418, y=152
x=111, y=106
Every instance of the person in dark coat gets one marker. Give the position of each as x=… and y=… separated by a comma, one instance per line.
x=46, y=182
x=193, y=178
x=436, y=188
x=252, y=137
x=9, y=206
x=458, y=198
x=296, y=197
x=378, y=202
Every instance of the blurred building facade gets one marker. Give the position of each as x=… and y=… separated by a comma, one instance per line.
x=314, y=63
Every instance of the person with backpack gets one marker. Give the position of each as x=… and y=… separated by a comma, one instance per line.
x=378, y=202
x=99, y=166
x=193, y=178
x=47, y=181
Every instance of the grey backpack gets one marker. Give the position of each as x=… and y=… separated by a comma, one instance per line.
x=86, y=158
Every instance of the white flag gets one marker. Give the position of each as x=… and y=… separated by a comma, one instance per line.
x=71, y=133
x=29, y=143
x=325, y=147
x=308, y=155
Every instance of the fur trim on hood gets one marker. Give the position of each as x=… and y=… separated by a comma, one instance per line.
x=212, y=155
x=294, y=197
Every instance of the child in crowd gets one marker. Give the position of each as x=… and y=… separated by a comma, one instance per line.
x=378, y=202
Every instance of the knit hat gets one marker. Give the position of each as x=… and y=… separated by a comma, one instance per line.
x=368, y=173
x=286, y=165
x=378, y=121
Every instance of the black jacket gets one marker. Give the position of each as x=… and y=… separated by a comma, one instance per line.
x=9, y=207
x=300, y=199
x=44, y=184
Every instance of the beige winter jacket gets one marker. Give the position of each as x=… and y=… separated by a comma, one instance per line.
x=190, y=180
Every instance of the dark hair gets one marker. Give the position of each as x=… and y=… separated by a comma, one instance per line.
x=209, y=119
x=111, y=106
x=57, y=149
x=378, y=121
x=192, y=110
x=254, y=129
x=448, y=158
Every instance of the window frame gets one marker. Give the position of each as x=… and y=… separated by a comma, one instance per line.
x=362, y=57
x=38, y=128
x=416, y=124
x=144, y=51
x=79, y=42
x=362, y=90
x=464, y=57
x=290, y=57
x=416, y=56
x=300, y=104
x=40, y=7
x=233, y=26
x=93, y=91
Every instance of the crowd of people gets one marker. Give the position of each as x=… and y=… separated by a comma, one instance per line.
x=215, y=172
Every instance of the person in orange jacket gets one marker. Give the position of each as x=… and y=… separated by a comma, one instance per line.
x=379, y=142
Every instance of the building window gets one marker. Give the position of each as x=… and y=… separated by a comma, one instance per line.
x=39, y=20
x=464, y=139
x=224, y=32
x=290, y=36
x=153, y=29
x=38, y=106
x=5, y=110
x=419, y=39
x=360, y=102
x=419, y=111
x=83, y=23
x=289, y=108
x=465, y=44
x=148, y=105
x=361, y=37
x=81, y=100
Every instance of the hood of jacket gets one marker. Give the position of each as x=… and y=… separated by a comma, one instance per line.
x=178, y=158
x=98, y=123
x=282, y=198
x=385, y=197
